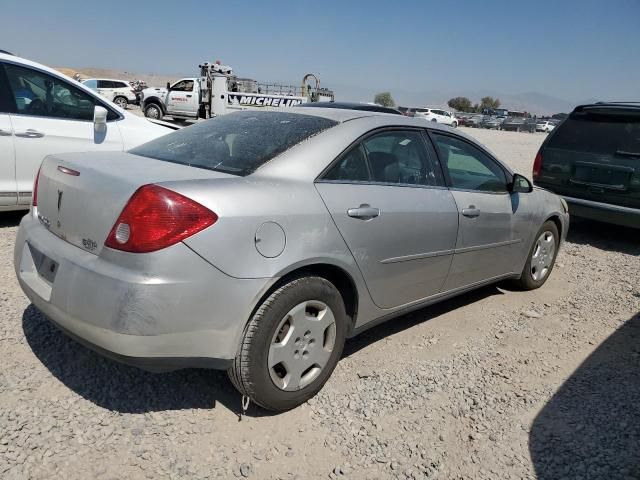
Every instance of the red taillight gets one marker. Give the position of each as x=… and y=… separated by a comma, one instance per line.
x=537, y=166
x=156, y=218
x=34, y=193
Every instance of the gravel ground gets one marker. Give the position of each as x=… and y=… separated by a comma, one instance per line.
x=495, y=384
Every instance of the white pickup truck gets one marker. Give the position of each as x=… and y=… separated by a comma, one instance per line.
x=217, y=92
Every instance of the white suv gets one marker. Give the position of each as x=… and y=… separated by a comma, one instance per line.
x=118, y=91
x=436, y=115
x=43, y=112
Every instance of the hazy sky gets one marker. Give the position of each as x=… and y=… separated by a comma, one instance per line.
x=570, y=49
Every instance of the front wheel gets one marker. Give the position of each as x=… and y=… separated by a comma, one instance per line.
x=291, y=345
x=542, y=257
x=434, y=120
x=454, y=124
x=153, y=111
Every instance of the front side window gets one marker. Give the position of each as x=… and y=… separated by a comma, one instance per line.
x=469, y=168
x=238, y=143
x=39, y=94
x=105, y=84
x=183, y=86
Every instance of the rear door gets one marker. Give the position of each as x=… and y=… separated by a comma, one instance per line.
x=52, y=116
x=387, y=197
x=595, y=155
x=486, y=246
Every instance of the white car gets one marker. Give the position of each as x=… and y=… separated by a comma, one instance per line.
x=118, y=91
x=437, y=115
x=545, y=126
x=43, y=112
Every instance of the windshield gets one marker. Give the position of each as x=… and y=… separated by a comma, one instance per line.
x=238, y=143
x=604, y=133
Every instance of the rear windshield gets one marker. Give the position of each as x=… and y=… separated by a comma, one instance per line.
x=238, y=143
x=598, y=133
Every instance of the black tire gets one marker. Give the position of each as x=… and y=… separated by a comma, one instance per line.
x=249, y=372
x=454, y=124
x=526, y=280
x=121, y=101
x=150, y=109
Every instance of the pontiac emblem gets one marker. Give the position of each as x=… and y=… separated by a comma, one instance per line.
x=59, y=205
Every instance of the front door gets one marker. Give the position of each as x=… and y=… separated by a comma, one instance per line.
x=487, y=247
x=8, y=188
x=52, y=116
x=400, y=224
x=182, y=98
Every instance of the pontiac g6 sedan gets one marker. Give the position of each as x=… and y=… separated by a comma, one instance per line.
x=259, y=242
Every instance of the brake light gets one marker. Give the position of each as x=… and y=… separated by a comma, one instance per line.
x=537, y=166
x=34, y=193
x=155, y=218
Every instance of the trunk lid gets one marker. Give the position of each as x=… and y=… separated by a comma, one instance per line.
x=81, y=195
x=595, y=155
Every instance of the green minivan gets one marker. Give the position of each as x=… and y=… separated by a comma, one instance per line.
x=592, y=160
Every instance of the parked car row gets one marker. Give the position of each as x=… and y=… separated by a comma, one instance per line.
x=513, y=123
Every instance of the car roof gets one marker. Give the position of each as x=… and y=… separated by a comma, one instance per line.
x=108, y=79
x=629, y=106
x=344, y=115
x=367, y=107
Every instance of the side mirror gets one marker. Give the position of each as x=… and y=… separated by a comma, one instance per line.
x=100, y=119
x=168, y=86
x=520, y=184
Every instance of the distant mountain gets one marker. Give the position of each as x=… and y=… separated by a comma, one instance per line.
x=533, y=102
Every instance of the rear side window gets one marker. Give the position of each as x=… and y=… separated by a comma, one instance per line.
x=390, y=157
x=598, y=132
x=238, y=143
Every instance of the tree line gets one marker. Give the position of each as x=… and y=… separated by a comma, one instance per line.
x=463, y=104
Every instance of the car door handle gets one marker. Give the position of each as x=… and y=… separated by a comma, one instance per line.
x=471, y=211
x=189, y=95
x=364, y=212
x=30, y=133
x=5, y=133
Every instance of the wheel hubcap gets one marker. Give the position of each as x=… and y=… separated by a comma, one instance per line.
x=121, y=103
x=543, y=254
x=152, y=112
x=302, y=345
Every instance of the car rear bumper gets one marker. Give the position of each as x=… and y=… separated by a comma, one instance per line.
x=169, y=310
x=604, y=212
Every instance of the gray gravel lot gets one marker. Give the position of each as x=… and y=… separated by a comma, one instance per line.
x=494, y=384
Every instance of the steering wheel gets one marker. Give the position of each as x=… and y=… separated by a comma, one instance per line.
x=36, y=107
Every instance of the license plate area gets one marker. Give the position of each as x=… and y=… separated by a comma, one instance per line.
x=45, y=266
x=604, y=176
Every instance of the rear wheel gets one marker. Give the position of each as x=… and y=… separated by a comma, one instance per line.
x=122, y=102
x=291, y=345
x=542, y=257
x=434, y=120
x=153, y=111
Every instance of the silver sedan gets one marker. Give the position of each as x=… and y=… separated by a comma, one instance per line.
x=259, y=242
